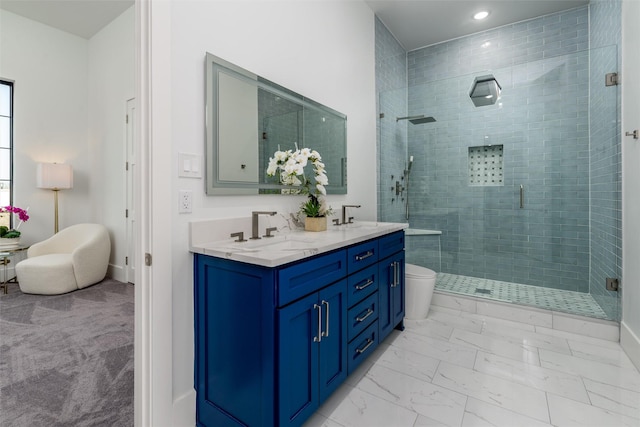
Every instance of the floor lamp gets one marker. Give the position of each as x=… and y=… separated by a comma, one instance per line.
x=56, y=177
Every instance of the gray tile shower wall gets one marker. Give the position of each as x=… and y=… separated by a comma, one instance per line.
x=542, y=122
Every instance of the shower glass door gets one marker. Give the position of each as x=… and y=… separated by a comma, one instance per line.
x=525, y=191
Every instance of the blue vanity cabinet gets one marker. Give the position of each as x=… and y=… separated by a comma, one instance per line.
x=312, y=352
x=391, y=291
x=272, y=343
x=234, y=343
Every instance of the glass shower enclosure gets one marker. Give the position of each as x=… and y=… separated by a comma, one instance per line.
x=525, y=191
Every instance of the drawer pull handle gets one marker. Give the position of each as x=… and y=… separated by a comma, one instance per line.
x=366, y=284
x=367, y=314
x=363, y=349
x=364, y=256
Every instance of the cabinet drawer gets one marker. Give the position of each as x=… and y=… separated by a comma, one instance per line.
x=361, y=347
x=391, y=244
x=306, y=277
x=362, y=255
x=362, y=315
x=362, y=284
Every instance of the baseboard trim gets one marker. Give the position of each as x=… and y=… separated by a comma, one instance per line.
x=116, y=272
x=184, y=410
x=630, y=343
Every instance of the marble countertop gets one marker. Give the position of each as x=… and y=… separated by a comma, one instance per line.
x=293, y=244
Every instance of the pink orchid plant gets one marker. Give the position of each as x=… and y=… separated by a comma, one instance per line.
x=22, y=215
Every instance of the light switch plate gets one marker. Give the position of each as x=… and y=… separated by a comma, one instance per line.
x=189, y=165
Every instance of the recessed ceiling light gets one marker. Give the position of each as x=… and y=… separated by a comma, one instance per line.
x=481, y=15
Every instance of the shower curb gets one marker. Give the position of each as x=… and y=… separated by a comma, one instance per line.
x=538, y=317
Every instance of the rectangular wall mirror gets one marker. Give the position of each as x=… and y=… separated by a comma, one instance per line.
x=249, y=118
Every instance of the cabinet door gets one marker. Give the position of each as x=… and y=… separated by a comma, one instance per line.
x=298, y=333
x=385, y=317
x=391, y=293
x=397, y=299
x=333, y=351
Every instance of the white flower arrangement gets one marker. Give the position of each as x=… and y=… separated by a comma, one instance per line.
x=290, y=166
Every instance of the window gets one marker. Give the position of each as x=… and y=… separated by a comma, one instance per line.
x=6, y=149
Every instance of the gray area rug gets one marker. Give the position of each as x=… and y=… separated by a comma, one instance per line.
x=67, y=360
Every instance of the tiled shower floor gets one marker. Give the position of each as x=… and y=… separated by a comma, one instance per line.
x=551, y=299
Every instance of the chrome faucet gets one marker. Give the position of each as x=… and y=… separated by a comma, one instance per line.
x=254, y=222
x=344, y=214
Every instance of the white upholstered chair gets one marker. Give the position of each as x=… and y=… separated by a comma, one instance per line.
x=74, y=258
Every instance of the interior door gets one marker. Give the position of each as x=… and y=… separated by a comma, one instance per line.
x=130, y=212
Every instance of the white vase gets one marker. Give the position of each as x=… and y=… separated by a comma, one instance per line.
x=7, y=243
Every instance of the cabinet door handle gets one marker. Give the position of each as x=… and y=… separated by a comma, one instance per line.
x=363, y=349
x=366, y=284
x=393, y=275
x=364, y=256
x=319, y=337
x=397, y=281
x=326, y=319
x=367, y=314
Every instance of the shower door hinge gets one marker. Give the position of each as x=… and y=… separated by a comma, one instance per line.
x=611, y=79
x=612, y=284
x=147, y=259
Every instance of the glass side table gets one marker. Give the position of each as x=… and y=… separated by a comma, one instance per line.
x=6, y=255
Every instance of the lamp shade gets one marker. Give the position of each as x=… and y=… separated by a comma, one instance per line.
x=54, y=176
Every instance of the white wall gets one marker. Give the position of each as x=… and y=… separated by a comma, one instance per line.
x=70, y=101
x=50, y=117
x=111, y=68
x=630, y=326
x=321, y=49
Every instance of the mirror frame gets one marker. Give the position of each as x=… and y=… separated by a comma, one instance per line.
x=216, y=186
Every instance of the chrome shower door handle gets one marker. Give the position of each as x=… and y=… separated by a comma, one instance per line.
x=521, y=196
x=318, y=338
x=326, y=319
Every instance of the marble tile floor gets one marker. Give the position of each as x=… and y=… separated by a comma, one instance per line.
x=457, y=368
x=578, y=303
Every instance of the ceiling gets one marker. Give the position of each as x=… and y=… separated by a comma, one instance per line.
x=83, y=18
x=415, y=23
x=419, y=23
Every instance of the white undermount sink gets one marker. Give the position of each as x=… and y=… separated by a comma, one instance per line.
x=285, y=243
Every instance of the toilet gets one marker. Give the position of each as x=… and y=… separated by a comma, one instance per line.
x=420, y=283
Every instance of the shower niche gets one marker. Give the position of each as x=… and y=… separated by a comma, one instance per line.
x=486, y=166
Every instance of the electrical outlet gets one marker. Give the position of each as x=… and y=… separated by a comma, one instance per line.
x=185, y=200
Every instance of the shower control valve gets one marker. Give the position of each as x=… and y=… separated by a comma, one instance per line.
x=399, y=188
